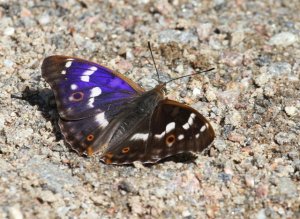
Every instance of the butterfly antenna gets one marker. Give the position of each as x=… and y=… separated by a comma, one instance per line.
x=189, y=75
x=149, y=46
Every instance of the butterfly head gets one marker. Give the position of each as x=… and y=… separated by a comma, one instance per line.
x=161, y=89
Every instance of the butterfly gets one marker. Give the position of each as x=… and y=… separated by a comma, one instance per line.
x=104, y=112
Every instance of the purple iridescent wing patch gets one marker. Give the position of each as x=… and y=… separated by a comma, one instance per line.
x=83, y=89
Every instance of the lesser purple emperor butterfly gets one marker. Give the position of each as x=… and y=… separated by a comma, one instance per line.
x=102, y=111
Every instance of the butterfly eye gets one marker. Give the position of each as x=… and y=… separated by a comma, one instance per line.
x=90, y=137
x=125, y=150
x=77, y=96
x=170, y=140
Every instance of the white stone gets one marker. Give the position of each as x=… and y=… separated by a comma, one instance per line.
x=283, y=39
x=290, y=110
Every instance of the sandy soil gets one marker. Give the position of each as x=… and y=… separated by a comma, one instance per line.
x=252, y=170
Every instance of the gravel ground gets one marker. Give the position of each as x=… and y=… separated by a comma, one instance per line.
x=252, y=170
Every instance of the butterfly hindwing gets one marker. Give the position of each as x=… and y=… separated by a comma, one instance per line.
x=173, y=128
x=177, y=128
x=131, y=147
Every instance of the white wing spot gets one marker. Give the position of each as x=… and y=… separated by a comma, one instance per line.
x=96, y=91
x=88, y=72
x=170, y=144
x=191, y=119
x=71, y=98
x=202, y=129
x=63, y=72
x=100, y=118
x=93, y=68
x=74, y=86
x=197, y=135
x=186, y=126
x=68, y=64
x=140, y=136
x=161, y=135
x=180, y=137
x=85, y=78
x=206, y=124
x=170, y=127
x=91, y=102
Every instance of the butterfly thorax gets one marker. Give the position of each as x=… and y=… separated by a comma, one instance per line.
x=139, y=109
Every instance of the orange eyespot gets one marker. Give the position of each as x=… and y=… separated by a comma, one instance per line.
x=125, y=150
x=109, y=155
x=108, y=161
x=90, y=137
x=89, y=151
x=170, y=139
x=77, y=96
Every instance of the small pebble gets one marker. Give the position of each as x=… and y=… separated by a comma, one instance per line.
x=290, y=110
x=231, y=58
x=284, y=137
x=9, y=31
x=15, y=213
x=204, y=30
x=8, y=63
x=186, y=213
x=47, y=196
x=283, y=39
x=233, y=118
x=279, y=69
x=287, y=187
x=220, y=145
x=262, y=190
x=44, y=19
x=262, y=79
x=235, y=137
x=136, y=205
x=249, y=180
x=261, y=214
x=210, y=95
x=196, y=92
x=167, y=36
x=237, y=37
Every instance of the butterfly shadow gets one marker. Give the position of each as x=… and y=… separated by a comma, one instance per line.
x=187, y=158
x=45, y=101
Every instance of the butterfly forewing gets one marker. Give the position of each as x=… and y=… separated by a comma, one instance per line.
x=83, y=88
x=88, y=97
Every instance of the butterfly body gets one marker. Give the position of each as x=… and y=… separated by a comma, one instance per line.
x=104, y=112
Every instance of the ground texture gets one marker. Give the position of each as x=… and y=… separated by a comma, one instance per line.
x=252, y=98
